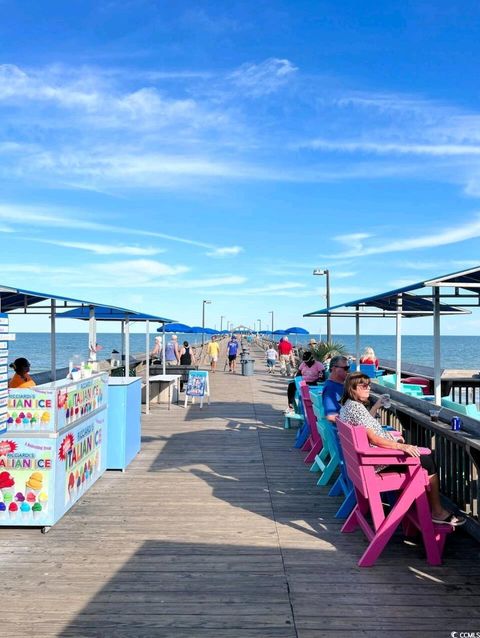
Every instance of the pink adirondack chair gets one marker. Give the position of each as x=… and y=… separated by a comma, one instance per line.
x=314, y=442
x=411, y=485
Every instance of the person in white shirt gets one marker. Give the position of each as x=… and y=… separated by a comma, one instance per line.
x=272, y=356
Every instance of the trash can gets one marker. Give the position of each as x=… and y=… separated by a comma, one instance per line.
x=248, y=367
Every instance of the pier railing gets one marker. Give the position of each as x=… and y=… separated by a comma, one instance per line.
x=456, y=453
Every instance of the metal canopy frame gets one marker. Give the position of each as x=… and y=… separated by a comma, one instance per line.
x=92, y=315
x=398, y=303
x=13, y=300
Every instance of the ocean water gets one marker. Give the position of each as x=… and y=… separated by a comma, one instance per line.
x=456, y=351
x=36, y=346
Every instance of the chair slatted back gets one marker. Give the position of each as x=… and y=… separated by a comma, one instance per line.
x=309, y=413
x=353, y=440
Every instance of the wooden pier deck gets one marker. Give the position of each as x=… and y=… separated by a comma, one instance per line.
x=217, y=529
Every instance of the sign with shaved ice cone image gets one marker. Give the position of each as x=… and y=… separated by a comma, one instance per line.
x=78, y=400
x=26, y=472
x=81, y=455
x=30, y=410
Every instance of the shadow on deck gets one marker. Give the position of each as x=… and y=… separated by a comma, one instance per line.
x=217, y=529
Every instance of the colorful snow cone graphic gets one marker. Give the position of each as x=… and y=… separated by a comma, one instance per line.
x=12, y=511
x=43, y=500
x=34, y=484
x=25, y=510
x=3, y=511
x=37, y=510
x=6, y=484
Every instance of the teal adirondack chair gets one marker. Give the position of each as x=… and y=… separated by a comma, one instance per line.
x=328, y=459
x=469, y=409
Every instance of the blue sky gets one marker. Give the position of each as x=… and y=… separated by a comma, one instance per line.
x=156, y=154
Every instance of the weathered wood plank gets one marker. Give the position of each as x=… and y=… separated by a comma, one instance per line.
x=217, y=529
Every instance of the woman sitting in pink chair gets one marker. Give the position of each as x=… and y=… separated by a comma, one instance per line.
x=354, y=411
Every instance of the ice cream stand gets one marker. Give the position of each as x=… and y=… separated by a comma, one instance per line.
x=53, y=437
x=124, y=409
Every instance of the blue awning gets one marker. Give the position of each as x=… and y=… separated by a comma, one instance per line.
x=110, y=314
x=419, y=305
x=12, y=299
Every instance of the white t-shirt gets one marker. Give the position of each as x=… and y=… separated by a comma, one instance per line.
x=271, y=354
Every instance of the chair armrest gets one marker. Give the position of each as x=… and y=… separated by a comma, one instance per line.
x=384, y=451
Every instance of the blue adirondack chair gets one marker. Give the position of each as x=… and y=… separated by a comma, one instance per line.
x=328, y=459
x=370, y=370
x=331, y=461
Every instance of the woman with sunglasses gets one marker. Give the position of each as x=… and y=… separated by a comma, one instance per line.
x=355, y=398
x=21, y=378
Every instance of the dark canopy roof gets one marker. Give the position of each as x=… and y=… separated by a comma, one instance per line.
x=417, y=305
x=12, y=299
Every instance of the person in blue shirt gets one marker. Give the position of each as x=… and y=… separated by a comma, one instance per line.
x=232, y=349
x=333, y=388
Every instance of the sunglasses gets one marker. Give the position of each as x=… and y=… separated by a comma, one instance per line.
x=366, y=386
x=343, y=367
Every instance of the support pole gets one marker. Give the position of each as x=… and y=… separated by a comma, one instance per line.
x=163, y=350
x=127, y=348
x=147, y=368
x=357, y=339
x=53, y=342
x=329, y=318
x=437, y=382
x=398, y=326
x=122, y=347
x=92, y=335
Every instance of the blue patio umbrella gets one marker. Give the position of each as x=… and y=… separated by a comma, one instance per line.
x=279, y=333
x=197, y=330
x=175, y=327
x=296, y=331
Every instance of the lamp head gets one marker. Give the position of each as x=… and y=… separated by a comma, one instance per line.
x=319, y=271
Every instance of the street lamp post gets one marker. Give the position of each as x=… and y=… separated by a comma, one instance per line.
x=203, y=320
x=326, y=272
x=260, y=324
x=222, y=317
x=270, y=312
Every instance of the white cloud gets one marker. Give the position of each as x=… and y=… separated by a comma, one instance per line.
x=104, y=249
x=264, y=78
x=43, y=217
x=386, y=148
x=427, y=239
x=227, y=251
x=141, y=268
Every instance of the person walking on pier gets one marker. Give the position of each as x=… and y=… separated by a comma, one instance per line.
x=272, y=356
x=285, y=351
x=172, y=354
x=232, y=349
x=213, y=350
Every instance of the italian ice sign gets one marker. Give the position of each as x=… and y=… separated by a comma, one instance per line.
x=80, y=454
x=30, y=410
x=79, y=400
x=25, y=481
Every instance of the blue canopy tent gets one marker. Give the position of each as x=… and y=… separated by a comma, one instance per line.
x=176, y=327
x=125, y=316
x=296, y=331
x=279, y=333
